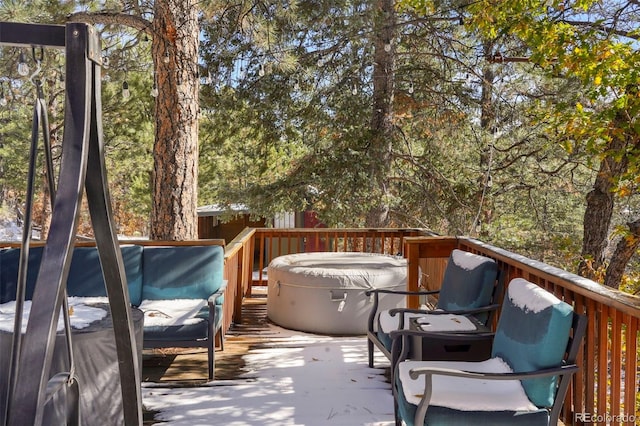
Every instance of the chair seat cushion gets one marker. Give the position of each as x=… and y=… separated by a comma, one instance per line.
x=82, y=314
x=428, y=322
x=179, y=319
x=467, y=394
x=387, y=323
x=443, y=416
x=171, y=312
x=176, y=333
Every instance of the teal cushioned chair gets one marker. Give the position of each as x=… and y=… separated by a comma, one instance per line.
x=470, y=286
x=185, y=272
x=533, y=359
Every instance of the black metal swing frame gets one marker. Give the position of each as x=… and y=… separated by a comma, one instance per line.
x=82, y=167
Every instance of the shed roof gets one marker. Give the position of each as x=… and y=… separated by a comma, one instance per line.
x=219, y=209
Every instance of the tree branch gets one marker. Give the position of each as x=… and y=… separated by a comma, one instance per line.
x=113, y=18
x=602, y=28
x=135, y=6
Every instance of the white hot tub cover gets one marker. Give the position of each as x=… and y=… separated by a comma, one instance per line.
x=338, y=270
x=326, y=292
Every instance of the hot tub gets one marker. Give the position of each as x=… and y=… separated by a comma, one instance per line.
x=325, y=292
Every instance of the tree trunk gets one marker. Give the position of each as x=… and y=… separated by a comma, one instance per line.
x=625, y=249
x=45, y=214
x=599, y=210
x=175, y=152
x=382, y=116
x=487, y=105
x=488, y=123
x=175, y=32
x=597, y=218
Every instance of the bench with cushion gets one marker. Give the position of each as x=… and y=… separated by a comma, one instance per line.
x=188, y=281
x=179, y=287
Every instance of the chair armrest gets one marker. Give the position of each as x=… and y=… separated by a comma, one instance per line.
x=452, y=335
x=212, y=299
x=376, y=292
x=376, y=300
x=488, y=308
x=414, y=373
x=394, y=311
x=429, y=372
x=472, y=311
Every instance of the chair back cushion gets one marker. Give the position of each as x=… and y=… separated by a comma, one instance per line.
x=468, y=281
x=9, y=272
x=532, y=334
x=181, y=272
x=86, y=278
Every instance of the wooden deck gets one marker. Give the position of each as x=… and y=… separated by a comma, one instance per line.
x=188, y=367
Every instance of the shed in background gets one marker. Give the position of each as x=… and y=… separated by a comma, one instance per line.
x=216, y=221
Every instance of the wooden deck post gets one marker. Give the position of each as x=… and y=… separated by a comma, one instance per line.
x=417, y=248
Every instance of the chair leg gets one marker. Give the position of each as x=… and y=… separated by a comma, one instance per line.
x=396, y=412
x=211, y=363
x=370, y=349
x=396, y=405
x=211, y=355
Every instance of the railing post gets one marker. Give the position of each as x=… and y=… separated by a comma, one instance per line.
x=240, y=278
x=412, y=254
x=417, y=248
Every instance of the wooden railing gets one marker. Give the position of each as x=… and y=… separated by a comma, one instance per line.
x=238, y=267
x=605, y=391
x=271, y=243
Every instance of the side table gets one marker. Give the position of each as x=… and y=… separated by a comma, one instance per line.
x=434, y=348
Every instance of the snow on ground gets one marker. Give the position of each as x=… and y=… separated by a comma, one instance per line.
x=294, y=379
x=9, y=230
